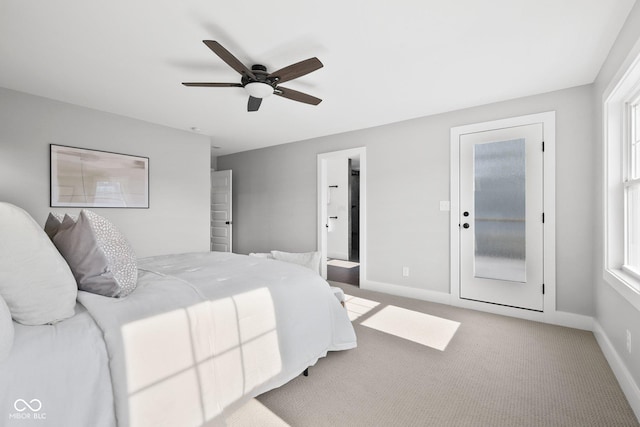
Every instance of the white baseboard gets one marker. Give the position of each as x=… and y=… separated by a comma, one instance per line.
x=560, y=318
x=570, y=320
x=405, y=291
x=624, y=377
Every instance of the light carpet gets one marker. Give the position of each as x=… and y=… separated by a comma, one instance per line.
x=491, y=371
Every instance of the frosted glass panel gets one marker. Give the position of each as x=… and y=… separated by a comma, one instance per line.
x=499, y=203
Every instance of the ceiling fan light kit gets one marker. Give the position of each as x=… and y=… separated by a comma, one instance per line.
x=259, y=83
x=258, y=89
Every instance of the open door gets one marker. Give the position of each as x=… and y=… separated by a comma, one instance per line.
x=221, y=219
x=331, y=220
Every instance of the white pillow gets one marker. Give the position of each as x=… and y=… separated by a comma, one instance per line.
x=99, y=255
x=6, y=330
x=310, y=260
x=261, y=255
x=35, y=281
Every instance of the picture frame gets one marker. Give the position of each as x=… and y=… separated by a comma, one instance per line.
x=86, y=178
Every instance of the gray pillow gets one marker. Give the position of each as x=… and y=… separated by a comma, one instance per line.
x=100, y=257
x=54, y=223
x=6, y=330
x=35, y=281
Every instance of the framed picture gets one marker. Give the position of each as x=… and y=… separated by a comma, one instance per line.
x=98, y=179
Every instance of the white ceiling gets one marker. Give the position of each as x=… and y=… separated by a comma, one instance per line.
x=384, y=61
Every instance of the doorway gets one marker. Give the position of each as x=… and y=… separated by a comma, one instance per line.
x=342, y=215
x=221, y=205
x=503, y=240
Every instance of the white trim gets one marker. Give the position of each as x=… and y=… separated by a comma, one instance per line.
x=631, y=271
x=622, y=88
x=322, y=202
x=548, y=119
x=625, y=379
x=560, y=318
x=623, y=284
x=407, y=292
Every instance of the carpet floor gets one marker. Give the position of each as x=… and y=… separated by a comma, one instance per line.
x=487, y=370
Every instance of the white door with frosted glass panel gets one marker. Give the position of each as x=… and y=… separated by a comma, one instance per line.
x=221, y=223
x=501, y=216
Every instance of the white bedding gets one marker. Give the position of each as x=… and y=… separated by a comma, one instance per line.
x=66, y=384
x=206, y=331
x=200, y=335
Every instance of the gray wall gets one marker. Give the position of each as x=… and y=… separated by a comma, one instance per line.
x=408, y=175
x=613, y=312
x=178, y=218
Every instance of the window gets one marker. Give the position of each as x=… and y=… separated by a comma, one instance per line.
x=632, y=190
x=622, y=180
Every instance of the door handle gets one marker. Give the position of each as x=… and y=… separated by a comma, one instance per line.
x=228, y=222
x=465, y=225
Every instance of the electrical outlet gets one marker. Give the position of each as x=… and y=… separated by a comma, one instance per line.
x=629, y=341
x=405, y=271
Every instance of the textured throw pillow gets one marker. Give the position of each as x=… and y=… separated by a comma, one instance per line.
x=35, y=281
x=6, y=330
x=307, y=259
x=100, y=257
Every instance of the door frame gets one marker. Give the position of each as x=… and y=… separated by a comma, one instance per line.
x=322, y=193
x=230, y=219
x=548, y=120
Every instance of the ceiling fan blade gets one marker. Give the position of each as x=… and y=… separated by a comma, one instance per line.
x=296, y=70
x=297, y=96
x=254, y=103
x=213, y=84
x=227, y=57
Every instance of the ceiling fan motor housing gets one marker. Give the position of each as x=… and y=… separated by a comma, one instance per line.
x=261, y=86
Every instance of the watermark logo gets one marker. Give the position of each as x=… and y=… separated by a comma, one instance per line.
x=28, y=410
x=21, y=405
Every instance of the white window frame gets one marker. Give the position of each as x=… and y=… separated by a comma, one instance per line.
x=623, y=91
x=629, y=138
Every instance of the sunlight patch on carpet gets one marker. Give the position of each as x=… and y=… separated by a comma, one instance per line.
x=254, y=413
x=432, y=331
x=357, y=307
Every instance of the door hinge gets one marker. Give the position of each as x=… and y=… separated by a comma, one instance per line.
x=543, y=289
x=543, y=217
x=543, y=146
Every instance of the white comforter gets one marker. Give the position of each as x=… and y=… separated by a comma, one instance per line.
x=203, y=332
x=57, y=375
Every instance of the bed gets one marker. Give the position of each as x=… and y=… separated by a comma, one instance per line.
x=199, y=335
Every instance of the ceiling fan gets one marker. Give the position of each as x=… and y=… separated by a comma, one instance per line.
x=259, y=83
